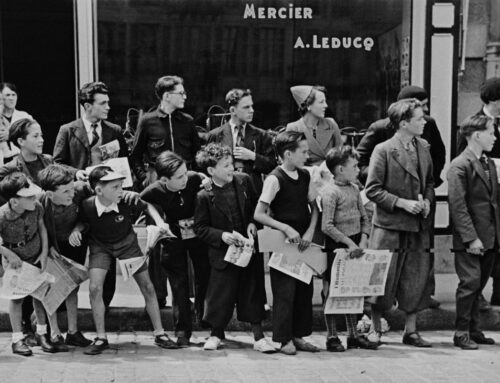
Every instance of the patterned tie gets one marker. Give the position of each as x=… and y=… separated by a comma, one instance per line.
x=484, y=163
x=95, y=136
x=239, y=138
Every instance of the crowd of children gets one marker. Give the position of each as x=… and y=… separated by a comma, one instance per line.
x=212, y=211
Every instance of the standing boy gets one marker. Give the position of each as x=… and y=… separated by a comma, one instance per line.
x=286, y=192
x=111, y=235
x=473, y=198
x=223, y=216
x=175, y=193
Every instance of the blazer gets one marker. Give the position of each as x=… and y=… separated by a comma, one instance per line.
x=390, y=178
x=18, y=164
x=212, y=217
x=72, y=145
x=258, y=141
x=327, y=137
x=473, y=201
x=382, y=130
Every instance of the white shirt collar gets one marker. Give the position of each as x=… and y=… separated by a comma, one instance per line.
x=105, y=209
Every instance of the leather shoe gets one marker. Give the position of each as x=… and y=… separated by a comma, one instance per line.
x=45, y=342
x=182, y=341
x=479, y=338
x=59, y=345
x=302, y=345
x=361, y=342
x=77, y=339
x=164, y=341
x=464, y=342
x=21, y=348
x=30, y=339
x=333, y=344
x=414, y=339
x=97, y=346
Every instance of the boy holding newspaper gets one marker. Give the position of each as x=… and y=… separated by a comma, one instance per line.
x=111, y=235
x=345, y=224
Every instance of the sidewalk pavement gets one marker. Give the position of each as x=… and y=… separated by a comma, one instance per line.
x=134, y=358
x=127, y=310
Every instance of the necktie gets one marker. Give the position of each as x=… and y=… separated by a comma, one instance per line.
x=239, y=137
x=484, y=164
x=95, y=136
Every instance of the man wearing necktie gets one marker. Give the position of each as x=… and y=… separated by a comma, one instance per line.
x=252, y=147
x=490, y=95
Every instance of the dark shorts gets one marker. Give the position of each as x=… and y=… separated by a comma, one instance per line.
x=77, y=254
x=101, y=255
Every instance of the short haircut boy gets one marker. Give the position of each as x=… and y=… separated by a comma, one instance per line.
x=402, y=110
x=490, y=90
x=475, y=123
x=211, y=154
x=167, y=163
x=340, y=156
x=287, y=141
x=55, y=175
x=234, y=96
x=167, y=84
x=88, y=91
x=12, y=183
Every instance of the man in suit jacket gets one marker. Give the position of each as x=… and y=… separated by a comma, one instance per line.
x=490, y=95
x=223, y=216
x=252, y=147
x=473, y=200
x=401, y=185
x=78, y=145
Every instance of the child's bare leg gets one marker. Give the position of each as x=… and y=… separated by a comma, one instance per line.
x=16, y=315
x=96, y=277
x=72, y=311
x=41, y=319
x=148, y=291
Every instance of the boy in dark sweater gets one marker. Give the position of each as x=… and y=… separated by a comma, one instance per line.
x=175, y=193
x=111, y=235
x=286, y=193
x=223, y=217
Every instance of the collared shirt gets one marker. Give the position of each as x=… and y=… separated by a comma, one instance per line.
x=105, y=209
x=234, y=131
x=88, y=128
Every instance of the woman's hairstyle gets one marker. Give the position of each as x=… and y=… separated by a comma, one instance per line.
x=211, y=154
x=55, y=175
x=167, y=163
x=20, y=129
x=402, y=110
x=167, y=84
x=311, y=98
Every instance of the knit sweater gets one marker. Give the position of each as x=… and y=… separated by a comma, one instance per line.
x=343, y=212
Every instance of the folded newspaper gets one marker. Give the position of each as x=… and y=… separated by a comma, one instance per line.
x=130, y=266
x=344, y=305
x=21, y=282
x=68, y=275
x=148, y=236
x=240, y=255
x=294, y=268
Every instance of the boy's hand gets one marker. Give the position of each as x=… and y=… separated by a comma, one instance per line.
x=292, y=235
x=476, y=247
x=356, y=253
x=229, y=238
x=305, y=241
x=75, y=238
x=243, y=154
x=131, y=197
x=251, y=230
x=411, y=206
x=165, y=228
x=206, y=183
x=81, y=175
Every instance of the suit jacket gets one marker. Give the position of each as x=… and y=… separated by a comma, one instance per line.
x=495, y=151
x=212, y=217
x=19, y=164
x=72, y=145
x=473, y=201
x=327, y=137
x=382, y=130
x=390, y=178
x=258, y=141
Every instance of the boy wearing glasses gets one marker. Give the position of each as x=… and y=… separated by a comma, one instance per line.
x=166, y=128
